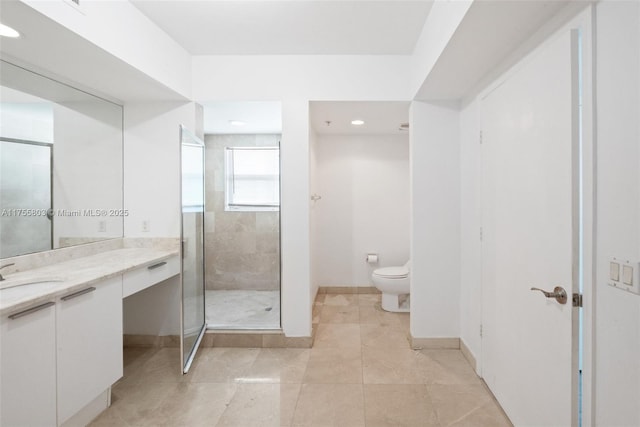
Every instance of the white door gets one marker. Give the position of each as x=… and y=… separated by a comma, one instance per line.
x=530, y=236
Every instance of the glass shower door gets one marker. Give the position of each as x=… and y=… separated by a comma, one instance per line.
x=193, y=305
x=25, y=197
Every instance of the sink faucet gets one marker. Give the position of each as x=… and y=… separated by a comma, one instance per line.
x=6, y=265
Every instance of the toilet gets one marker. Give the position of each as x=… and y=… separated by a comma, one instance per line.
x=393, y=282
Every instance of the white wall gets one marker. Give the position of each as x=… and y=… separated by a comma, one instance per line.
x=317, y=77
x=152, y=166
x=435, y=221
x=87, y=169
x=364, y=184
x=617, y=382
x=294, y=219
x=313, y=211
x=443, y=20
x=152, y=193
x=470, y=223
x=120, y=29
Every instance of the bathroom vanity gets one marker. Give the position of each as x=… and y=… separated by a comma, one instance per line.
x=61, y=331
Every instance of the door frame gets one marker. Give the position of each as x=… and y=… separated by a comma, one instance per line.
x=584, y=22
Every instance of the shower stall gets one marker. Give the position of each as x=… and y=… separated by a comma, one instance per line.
x=231, y=221
x=242, y=231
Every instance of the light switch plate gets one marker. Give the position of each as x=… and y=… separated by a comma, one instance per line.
x=624, y=274
x=614, y=271
x=627, y=275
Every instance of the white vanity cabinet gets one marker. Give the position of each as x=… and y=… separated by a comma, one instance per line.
x=141, y=278
x=89, y=344
x=61, y=343
x=28, y=366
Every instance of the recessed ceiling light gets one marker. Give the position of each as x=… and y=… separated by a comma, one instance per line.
x=357, y=122
x=6, y=31
x=237, y=123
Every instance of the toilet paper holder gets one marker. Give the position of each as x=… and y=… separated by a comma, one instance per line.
x=372, y=258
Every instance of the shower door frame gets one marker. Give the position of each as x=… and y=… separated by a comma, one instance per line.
x=187, y=360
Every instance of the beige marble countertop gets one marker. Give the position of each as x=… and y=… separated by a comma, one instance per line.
x=68, y=276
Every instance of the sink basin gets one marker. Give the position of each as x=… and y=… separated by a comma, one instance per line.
x=8, y=283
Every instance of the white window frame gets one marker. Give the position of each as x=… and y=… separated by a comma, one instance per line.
x=230, y=204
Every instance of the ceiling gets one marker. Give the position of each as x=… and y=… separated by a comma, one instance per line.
x=380, y=118
x=290, y=27
x=267, y=27
x=257, y=117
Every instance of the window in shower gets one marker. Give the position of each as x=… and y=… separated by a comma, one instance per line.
x=252, y=179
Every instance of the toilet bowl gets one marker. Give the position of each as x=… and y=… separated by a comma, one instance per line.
x=393, y=282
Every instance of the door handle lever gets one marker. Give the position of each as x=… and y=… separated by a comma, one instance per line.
x=558, y=293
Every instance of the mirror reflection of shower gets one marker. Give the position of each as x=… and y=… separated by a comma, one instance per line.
x=242, y=214
x=25, y=185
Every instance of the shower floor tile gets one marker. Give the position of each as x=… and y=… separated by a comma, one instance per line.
x=242, y=309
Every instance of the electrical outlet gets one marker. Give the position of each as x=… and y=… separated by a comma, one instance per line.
x=102, y=226
x=146, y=227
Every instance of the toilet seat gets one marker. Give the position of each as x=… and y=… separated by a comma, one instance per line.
x=392, y=272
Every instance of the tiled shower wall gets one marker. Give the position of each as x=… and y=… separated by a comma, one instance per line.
x=242, y=249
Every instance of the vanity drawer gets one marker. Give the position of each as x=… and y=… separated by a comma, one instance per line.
x=143, y=277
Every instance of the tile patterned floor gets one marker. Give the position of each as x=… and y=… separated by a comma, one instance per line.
x=360, y=372
x=242, y=309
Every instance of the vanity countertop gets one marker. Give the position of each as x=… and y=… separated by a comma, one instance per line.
x=68, y=276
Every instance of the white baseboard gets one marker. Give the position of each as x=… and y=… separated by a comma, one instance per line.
x=468, y=355
x=435, y=343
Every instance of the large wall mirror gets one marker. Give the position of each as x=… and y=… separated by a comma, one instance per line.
x=60, y=165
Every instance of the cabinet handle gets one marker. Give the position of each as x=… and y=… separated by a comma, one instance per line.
x=31, y=310
x=154, y=266
x=77, y=294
